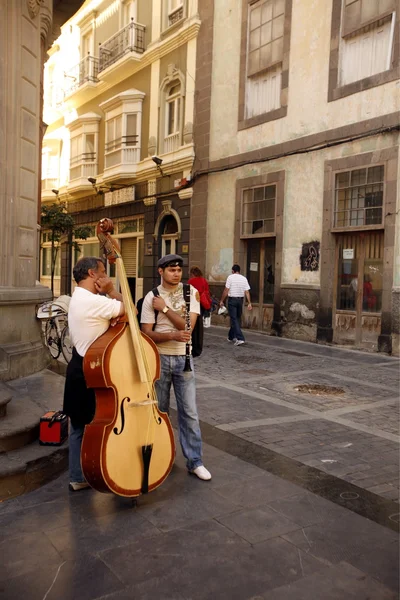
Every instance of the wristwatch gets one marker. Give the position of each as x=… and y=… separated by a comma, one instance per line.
x=165, y=309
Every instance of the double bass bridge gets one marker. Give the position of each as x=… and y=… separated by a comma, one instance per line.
x=144, y=403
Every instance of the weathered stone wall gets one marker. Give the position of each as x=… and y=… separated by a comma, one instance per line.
x=23, y=30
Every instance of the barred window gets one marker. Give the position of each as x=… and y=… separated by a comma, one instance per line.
x=258, y=211
x=359, y=197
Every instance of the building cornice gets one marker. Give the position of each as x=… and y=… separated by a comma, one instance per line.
x=126, y=96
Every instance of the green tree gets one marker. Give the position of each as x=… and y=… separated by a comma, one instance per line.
x=55, y=218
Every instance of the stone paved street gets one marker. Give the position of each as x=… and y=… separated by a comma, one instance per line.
x=302, y=504
x=251, y=392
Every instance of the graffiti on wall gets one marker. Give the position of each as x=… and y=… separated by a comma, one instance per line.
x=309, y=257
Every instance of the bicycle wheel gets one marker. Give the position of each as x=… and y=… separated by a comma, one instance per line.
x=52, y=341
x=66, y=344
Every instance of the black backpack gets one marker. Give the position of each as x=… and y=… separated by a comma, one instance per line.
x=198, y=331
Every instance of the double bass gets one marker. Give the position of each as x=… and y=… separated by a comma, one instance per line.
x=129, y=447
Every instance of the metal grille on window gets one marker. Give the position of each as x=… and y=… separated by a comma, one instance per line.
x=359, y=197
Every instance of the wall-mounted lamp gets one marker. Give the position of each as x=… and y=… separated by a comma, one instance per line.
x=101, y=189
x=158, y=162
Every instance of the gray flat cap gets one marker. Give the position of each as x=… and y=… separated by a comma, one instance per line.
x=170, y=260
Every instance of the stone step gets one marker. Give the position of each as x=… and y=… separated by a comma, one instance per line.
x=6, y=394
x=21, y=424
x=28, y=468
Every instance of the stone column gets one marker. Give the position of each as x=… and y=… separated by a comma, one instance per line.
x=23, y=26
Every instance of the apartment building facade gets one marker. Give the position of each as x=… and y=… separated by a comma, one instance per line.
x=297, y=143
x=119, y=108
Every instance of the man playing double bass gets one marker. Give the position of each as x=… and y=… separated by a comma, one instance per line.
x=172, y=333
x=89, y=316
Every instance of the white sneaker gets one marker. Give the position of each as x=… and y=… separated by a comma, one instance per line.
x=239, y=342
x=234, y=340
x=75, y=486
x=202, y=473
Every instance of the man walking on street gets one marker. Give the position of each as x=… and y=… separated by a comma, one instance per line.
x=171, y=334
x=236, y=287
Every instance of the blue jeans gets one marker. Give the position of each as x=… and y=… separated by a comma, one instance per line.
x=185, y=394
x=75, y=443
x=235, y=308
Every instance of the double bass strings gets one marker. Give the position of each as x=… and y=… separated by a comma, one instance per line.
x=138, y=341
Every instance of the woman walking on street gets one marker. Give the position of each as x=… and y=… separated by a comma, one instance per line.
x=201, y=284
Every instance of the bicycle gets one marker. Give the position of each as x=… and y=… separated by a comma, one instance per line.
x=54, y=316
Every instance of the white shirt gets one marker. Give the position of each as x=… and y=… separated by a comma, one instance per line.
x=176, y=302
x=237, y=285
x=89, y=317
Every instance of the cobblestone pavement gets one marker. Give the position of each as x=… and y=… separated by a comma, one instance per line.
x=352, y=434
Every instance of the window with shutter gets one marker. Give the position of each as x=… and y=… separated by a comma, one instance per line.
x=129, y=252
x=265, y=60
x=364, y=50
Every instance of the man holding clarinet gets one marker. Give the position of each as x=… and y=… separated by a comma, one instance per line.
x=167, y=322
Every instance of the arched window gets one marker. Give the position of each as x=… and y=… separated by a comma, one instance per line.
x=173, y=110
x=169, y=235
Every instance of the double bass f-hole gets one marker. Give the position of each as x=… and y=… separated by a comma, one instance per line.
x=122, y=411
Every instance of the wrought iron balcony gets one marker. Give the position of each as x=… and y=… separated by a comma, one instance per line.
x=175, y=16
x=128, y=39
x=86, y=70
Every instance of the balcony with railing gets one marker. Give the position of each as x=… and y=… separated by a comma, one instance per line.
x=85, y=72
x=80, y=168
x=175, y=16
x=49, y=183
x=53, y=97
x=172, y=142
x=121, y=157
x=129, y=42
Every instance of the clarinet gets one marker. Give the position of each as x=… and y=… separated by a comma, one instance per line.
x=188, y=327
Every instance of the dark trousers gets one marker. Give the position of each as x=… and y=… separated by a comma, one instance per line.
x=79, y=405
x=235, y=309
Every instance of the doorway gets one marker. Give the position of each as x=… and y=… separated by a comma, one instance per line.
x=261, y=277
x=358, y=291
